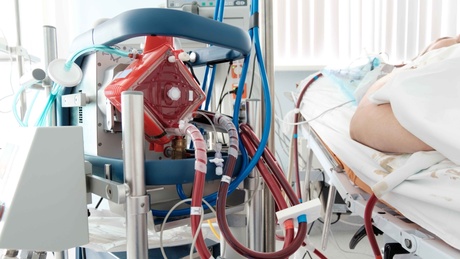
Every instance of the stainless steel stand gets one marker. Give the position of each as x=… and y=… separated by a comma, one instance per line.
x=137, y=203
x=49, y=33
x=267, y=39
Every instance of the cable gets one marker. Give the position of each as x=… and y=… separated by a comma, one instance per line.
x=307, y=252
x=311, y=227
x=252, y=78
x=295, y=134
x=224, y=85
x=222, y=98
x=192, y=71
x=99, y=203
x=164, y=222
x=350, y=223
x=335, y=221
x=213, y=230
x=209, y=120
x=166, y=219
x=368, y=225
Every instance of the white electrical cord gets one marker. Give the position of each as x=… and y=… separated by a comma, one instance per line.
x=196, y=234
x=164, y=222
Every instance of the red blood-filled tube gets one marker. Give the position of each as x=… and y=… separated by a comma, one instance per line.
x=233, y=242
x=198, y=186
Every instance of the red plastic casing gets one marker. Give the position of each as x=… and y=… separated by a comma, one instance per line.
x=154, y=75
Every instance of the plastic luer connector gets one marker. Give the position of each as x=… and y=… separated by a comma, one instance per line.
x=170, y=91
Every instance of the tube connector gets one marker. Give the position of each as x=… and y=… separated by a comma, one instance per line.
x=310, y=209
x=218, y=160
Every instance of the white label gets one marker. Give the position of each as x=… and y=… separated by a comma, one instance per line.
x=124, y=74
x=195, y=211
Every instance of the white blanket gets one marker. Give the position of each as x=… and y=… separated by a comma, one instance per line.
x=429, y=197
x=426, y=101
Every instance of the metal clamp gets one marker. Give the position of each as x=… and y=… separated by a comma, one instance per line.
x=110, y=190
x=138, y=204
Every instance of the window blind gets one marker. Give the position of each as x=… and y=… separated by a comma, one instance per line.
x=314, y=33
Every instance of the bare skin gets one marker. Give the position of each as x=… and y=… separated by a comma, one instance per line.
x=376, y=126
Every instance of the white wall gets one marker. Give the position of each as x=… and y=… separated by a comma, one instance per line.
x=69, y=17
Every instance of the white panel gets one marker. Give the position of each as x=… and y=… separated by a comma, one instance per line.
x=43, y=189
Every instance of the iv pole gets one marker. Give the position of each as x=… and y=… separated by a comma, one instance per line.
x=267, y=47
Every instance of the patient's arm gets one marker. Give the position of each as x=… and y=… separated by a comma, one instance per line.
x=376, y=126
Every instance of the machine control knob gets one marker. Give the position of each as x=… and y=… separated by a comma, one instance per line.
x=174, y=93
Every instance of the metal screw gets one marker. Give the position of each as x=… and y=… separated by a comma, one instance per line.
x=108, y=192
x=408, y=243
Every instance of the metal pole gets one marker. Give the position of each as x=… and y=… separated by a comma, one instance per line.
x=328, y=216
x=22, y=97
x=137, y=203
x=253, y=184
x=267, y=36
x=61, y=255
x=49, y=33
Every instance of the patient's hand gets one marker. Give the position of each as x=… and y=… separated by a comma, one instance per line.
x=377, y=127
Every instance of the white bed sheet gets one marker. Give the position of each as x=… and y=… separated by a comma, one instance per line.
x=430, y=198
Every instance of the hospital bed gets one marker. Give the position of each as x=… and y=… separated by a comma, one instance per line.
x=420, y=214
